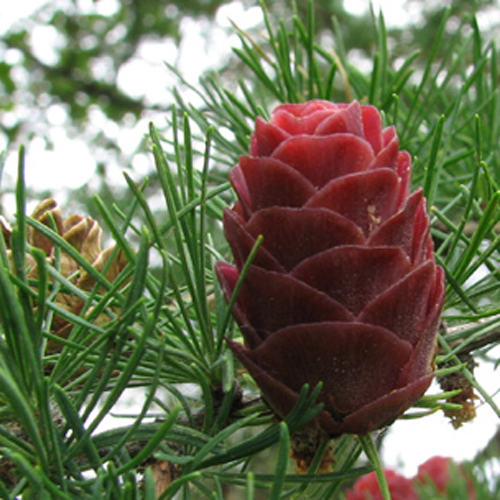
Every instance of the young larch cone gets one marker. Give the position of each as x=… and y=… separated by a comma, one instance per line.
x=344, y=289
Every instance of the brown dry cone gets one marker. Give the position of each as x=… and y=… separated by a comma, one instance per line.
x=82, y=233
x=48, y=213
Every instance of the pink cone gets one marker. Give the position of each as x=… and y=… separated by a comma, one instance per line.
x=344, y=289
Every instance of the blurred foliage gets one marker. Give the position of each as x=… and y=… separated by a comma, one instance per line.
x=66, y=59
x=90, y=42
x=199, y=428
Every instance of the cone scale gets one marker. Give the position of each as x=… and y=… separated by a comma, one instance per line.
x=344, y=289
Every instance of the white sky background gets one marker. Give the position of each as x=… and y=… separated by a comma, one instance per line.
x=71, y=164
